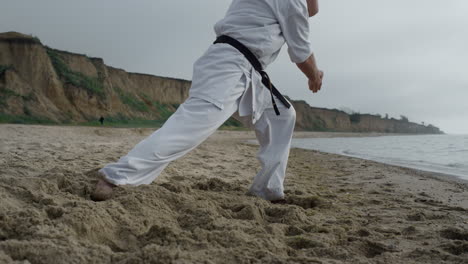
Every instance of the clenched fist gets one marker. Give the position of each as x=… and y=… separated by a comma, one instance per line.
x=315, y=84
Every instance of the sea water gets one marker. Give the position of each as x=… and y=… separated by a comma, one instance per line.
x=446, y=154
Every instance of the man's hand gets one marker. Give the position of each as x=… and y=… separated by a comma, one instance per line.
x=315, y=84
x=315, y=76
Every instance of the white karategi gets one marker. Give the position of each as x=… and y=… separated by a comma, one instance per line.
x=225, y=82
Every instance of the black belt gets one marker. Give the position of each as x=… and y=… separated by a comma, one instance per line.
x=258, y=67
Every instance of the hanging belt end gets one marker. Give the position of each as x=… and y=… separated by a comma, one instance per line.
x=276, y=109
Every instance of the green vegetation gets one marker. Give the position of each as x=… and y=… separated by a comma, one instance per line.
x=26, y=111
x=35, y=39
x=314, y=123
x=164, y=109
x=404, y=118
x=355, y=118
x=233, y=123
x=25, y=119
x=4, y=68
x=7, y=93
x=90, y=84
x=130, y=100
x=3, y=101
x=319, y=125
x=4, y=95
x=122, y=121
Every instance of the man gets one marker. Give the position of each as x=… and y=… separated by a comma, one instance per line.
x=225, y=80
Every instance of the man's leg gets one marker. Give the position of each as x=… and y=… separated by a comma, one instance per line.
x=274, y=134
x=190, y=125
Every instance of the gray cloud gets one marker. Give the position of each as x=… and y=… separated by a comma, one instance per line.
x=396, y=57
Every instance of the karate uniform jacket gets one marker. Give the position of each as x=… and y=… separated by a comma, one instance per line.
x=263, y=26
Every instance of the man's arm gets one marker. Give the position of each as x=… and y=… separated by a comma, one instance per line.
x=315, y=76
x=295, y=27
x=313, y=7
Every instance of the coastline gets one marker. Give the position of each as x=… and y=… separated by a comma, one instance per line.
x=411, y=170
x=339, y=209
x=423, y=175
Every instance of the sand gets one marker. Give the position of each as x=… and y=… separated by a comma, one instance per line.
x=339, y=210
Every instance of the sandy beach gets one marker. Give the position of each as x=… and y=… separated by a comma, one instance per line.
x=339, y=209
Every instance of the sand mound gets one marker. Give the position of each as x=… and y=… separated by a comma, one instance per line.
x=198, y=210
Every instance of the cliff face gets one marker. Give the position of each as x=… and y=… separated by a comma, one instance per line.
x=319, y=119
x=40, y=83
x=65, y=87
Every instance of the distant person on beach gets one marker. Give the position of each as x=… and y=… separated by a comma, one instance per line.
x=230, y=77
x=101, y=119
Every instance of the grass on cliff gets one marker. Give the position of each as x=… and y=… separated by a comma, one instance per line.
x=315, y=123
x=122, y=121
x=233, y=124
x=7, y=93
x=319, y=125
x=118, y=121
x=355, y=118
x=4, y=68
x=91, y=84
x=163, y=109
x=131, y=100
x=25, y=119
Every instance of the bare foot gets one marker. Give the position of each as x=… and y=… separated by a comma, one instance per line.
x=103, y=191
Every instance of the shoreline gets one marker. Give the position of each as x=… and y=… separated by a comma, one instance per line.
x=422, y=175
x=418, y=172
x=428, y=173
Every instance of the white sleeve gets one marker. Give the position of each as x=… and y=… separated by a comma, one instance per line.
x=294, y=22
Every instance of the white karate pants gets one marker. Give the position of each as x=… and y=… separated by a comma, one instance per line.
x=193, y=122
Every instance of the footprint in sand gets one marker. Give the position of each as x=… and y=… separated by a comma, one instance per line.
x=456, y=248
x=302, y=242
x=293, y=231
x=176, y=188
x=306, y=202
x=416, y=217
x=247, y=212
x=285, y=214
x=363, y=232
x=410, y=230
x=160, y=235
x=372, y=249
x=454, y=233
x=54, y=212
x=216, y=185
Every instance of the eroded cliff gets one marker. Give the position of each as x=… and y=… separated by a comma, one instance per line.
x=48, y=84
x=41, y=84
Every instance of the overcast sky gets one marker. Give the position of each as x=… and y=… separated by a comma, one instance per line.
x=398, y=57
